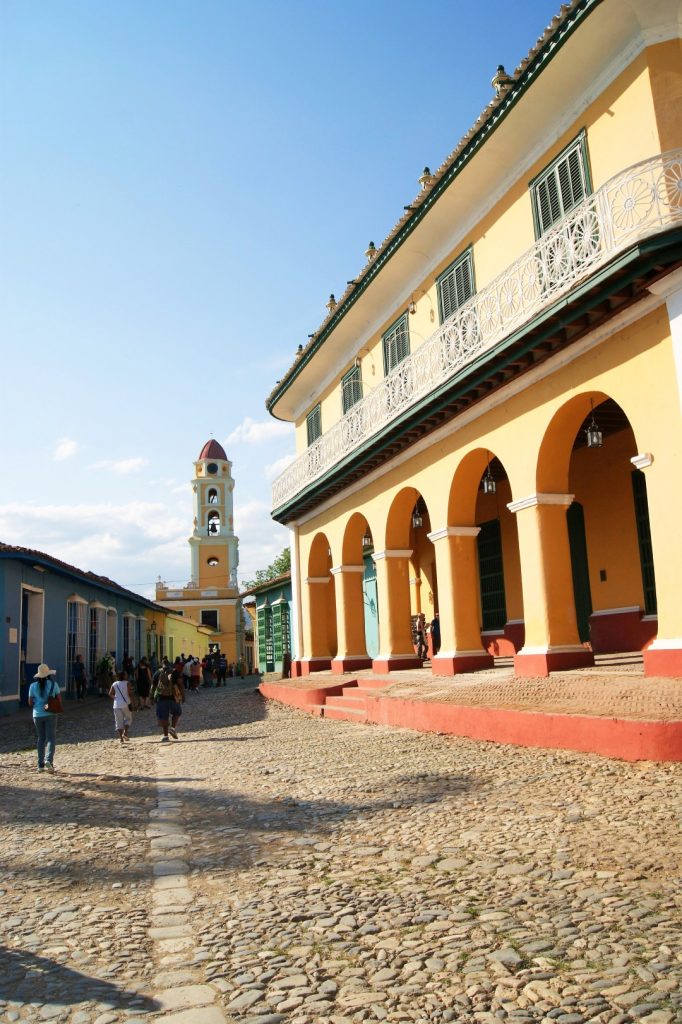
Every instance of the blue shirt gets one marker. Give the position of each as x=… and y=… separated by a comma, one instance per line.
x=51, y=689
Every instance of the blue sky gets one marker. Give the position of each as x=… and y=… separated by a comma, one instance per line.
x=182, y=185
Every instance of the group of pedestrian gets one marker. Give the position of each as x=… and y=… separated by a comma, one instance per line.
x=421, y=630
x=133, y=688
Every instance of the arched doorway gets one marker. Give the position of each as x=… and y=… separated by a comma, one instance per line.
x=398, y=566
x=320, y=639
x=349, y=576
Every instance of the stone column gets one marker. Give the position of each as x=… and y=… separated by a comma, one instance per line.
x=459, y=602
x=351, y=654
x=396, y=649
x=551, y=641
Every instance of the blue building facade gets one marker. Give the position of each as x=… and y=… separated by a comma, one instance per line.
x=51, y=612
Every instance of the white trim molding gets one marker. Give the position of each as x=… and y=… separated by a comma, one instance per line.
x=533, y=500
x=396, y=553
x=454, y=531
x=559, y=649
x=661, y=644
x=617, y=611
x=317, y=579
x=346, y=568
x=642, y=461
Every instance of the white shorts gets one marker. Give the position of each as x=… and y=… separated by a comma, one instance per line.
x=122, y=717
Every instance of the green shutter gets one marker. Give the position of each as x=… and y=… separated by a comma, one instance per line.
x=351, y=389
x=646, y=553
x=396, y=344
x=491, y=571
x=314, y=425
x=561, y=186
x=277, y=632
x=456, y=285
x=261, y=638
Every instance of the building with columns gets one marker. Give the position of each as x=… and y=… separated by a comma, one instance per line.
x=211, y=597
x=488, y=420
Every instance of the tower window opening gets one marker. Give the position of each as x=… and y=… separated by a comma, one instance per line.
x=213, y=496
x=213, y=524
x=212, y=561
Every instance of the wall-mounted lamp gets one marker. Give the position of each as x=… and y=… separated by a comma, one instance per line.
x=417, y=519
x=412, y=308
x=595, y=438
x=152, y=626
x=368, y=540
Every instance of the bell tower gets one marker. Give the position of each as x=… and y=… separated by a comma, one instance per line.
x=214, y=547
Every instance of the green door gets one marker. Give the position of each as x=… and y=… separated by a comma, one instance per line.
x=582, y=594
x=491, y=572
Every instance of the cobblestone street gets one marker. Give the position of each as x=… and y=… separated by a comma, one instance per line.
x=270, y=866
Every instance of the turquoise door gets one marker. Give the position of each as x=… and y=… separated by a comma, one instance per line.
x=370, y=599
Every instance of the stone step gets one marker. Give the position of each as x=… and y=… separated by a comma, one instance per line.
x=369, y=683
x=357, y=703
x=353, y=695
x=346, y=714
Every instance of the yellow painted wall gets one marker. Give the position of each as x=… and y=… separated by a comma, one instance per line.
x=601, y=482
x=507, y=230
x=519, y=432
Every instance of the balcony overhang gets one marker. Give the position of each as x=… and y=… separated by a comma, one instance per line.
x=623, y=281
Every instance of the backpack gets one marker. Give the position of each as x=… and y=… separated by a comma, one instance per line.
x=164, y=686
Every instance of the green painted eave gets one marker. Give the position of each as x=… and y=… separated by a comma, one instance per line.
x=625, y=268
x=550, y=48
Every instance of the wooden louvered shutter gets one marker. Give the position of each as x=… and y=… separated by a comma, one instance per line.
x=396, y=344
x=560, y=188
x=456, y=286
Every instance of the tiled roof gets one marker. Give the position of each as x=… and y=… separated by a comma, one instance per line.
x=213, y=450
x=542, y=45
x=276, y=581
x=30, y=555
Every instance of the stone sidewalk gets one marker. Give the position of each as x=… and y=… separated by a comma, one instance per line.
x=274, y=868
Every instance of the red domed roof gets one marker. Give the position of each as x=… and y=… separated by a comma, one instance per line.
x=213, y=450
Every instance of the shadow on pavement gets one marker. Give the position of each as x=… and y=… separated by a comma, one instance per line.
x=27, y=978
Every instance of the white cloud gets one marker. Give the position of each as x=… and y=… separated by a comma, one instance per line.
x=66, y=448
x=122, y=466
x=253, y=432
x=273, y=469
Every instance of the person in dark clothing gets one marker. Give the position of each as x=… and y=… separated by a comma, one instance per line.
x=79, y=677
x=435, y=633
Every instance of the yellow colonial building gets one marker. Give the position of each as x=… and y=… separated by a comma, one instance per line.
x=211, y=597
x=488, y=421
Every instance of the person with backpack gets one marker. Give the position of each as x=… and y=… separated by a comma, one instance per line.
x=168, y=693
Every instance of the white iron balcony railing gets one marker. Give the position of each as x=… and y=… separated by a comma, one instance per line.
x=640, y=202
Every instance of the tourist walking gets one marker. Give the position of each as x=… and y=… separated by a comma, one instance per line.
x=80, y=679
x=143, y=678
x=169, y=695
x=123, y=713
x=42, y=690
x=195, y=674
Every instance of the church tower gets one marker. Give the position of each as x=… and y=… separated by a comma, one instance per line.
x=214, y=547
x=211, y=597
